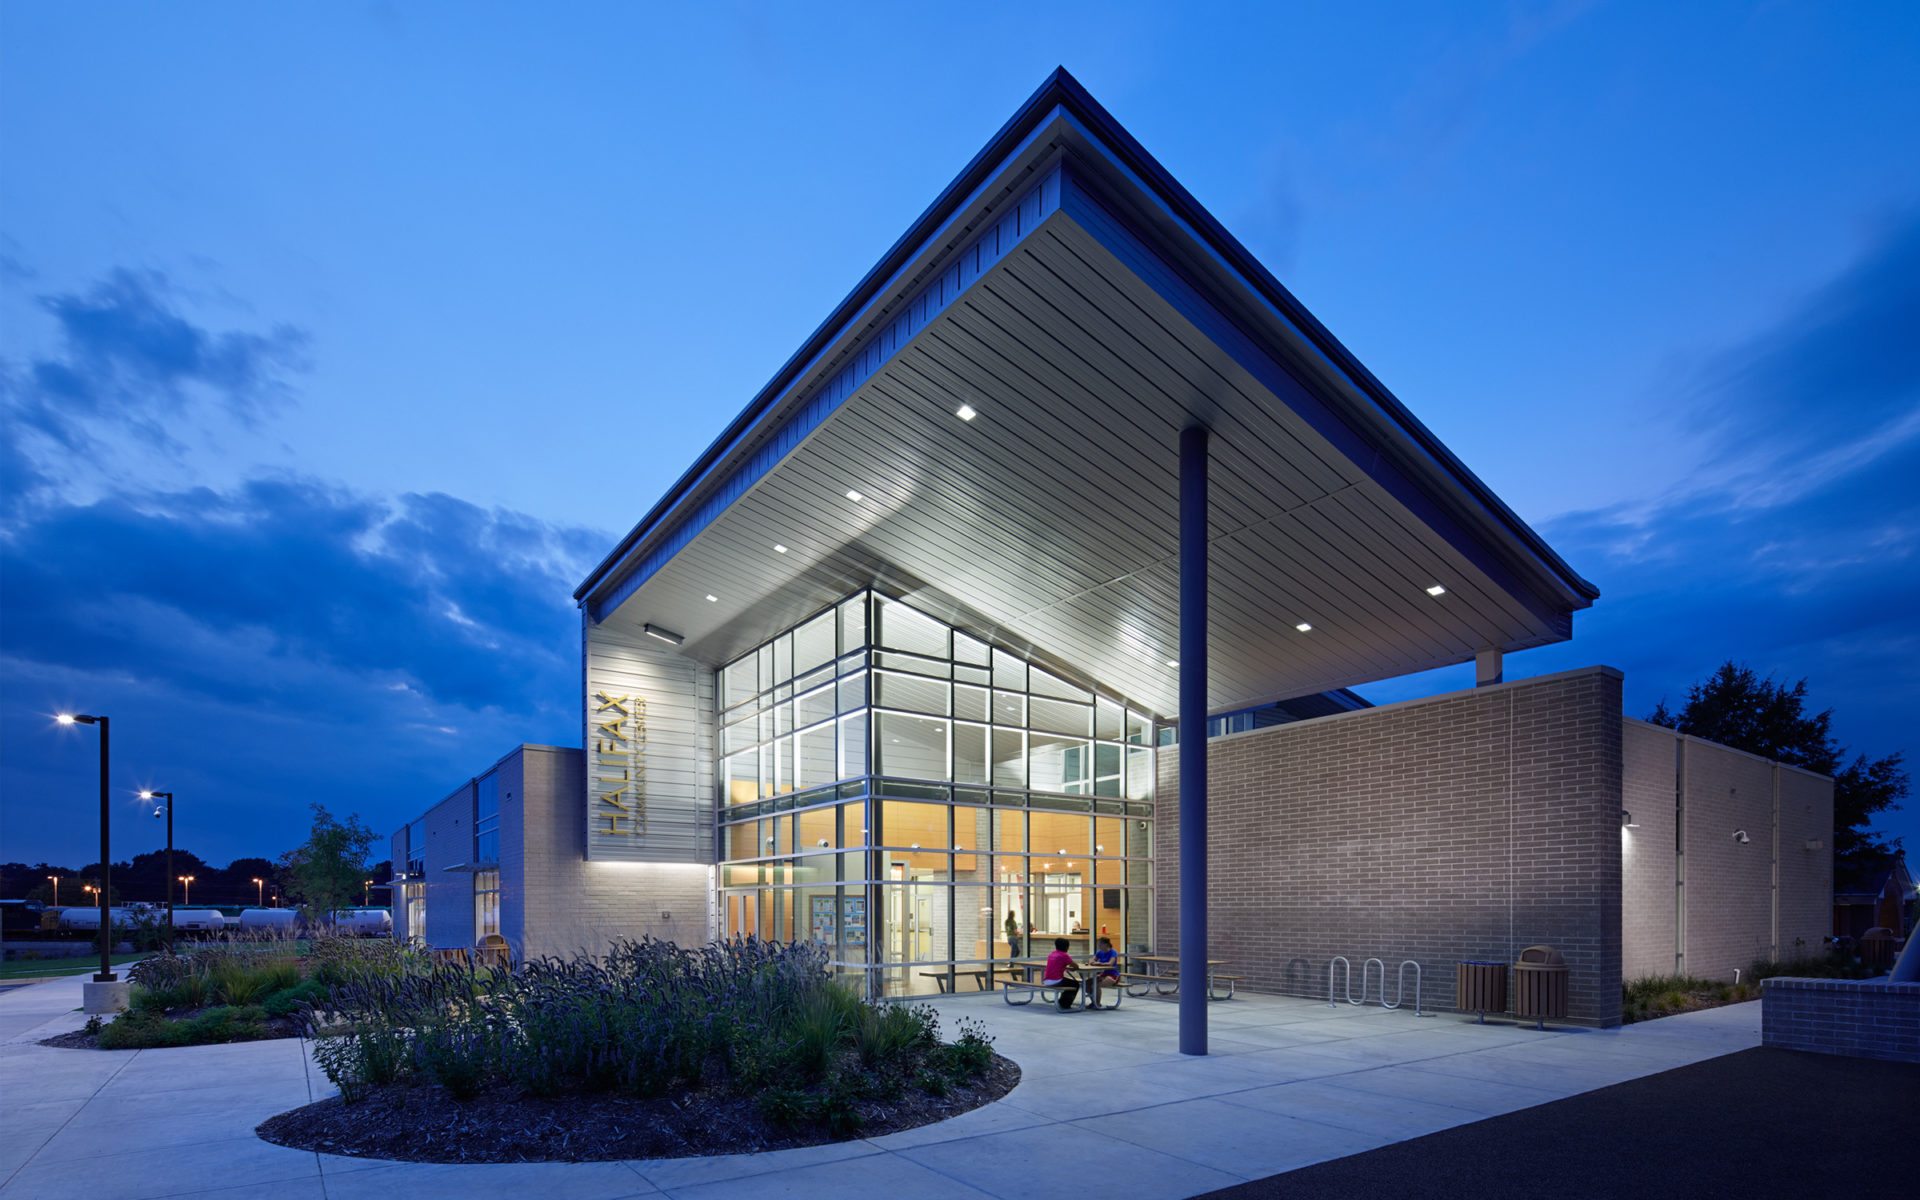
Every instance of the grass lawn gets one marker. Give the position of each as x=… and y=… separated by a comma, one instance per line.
x=49, y=968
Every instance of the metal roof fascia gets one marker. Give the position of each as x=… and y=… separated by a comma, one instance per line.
x=1029, y=210
x=1155, y=180
x=929, y=225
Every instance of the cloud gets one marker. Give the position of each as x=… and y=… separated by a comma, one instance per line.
x=127, y=363
x=391, y=647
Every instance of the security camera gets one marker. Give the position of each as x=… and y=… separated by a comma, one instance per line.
x=1740, y=835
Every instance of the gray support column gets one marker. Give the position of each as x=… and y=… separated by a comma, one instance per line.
x=1193, y=741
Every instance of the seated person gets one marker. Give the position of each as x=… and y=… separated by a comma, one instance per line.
x=1058, y=964
x=1106, y=954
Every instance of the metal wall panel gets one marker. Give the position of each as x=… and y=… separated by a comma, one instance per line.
x=649, y=744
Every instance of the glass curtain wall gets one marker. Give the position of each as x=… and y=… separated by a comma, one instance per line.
x=927, y=805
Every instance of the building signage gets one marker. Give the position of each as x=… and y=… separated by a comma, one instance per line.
x=618, y=792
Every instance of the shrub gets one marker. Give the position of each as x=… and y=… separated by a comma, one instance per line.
x=821, y=1022
x=456, y=1054
x=147, y=1030
x=887, y=1032
x=785, y=1107
x=1835, y=964
x=290, y=1001
x=236, y=980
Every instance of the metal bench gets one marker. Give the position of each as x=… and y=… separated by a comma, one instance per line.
x=1047, y=991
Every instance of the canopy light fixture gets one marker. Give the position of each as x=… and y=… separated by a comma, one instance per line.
x=1436, y=590
x=965, y=412
x=666, y=635
x=779, y=549
x=1173, y=662
x=854, y=496
x=712, y=599
x=1303, y=627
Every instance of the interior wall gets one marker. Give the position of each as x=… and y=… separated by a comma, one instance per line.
x=1465, y=826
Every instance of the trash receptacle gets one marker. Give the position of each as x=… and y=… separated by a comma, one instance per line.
x=1540, y=985
x=1480, y=987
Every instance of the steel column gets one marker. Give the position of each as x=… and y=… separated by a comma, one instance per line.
x=106, y=864
x=1193, y=741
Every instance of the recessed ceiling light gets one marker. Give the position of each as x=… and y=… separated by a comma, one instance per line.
x=965, y=412
x=712, y=599
x=1303, y=627
x=1436, y=590
x=1173, y=662
x=853, y=495
x=779, y=549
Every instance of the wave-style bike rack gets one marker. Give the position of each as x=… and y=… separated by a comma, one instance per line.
x=1366, y=974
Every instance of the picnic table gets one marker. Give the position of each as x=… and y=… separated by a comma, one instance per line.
x=1167, y=982
x=1086, y=974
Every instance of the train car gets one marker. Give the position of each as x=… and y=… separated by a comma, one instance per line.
x=21, y=918
x=200, y=920
x=363, y=922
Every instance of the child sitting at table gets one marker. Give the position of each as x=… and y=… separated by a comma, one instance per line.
x=1058, y=964
x=1105, y=956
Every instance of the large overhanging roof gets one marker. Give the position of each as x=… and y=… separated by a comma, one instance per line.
x=1070, y=293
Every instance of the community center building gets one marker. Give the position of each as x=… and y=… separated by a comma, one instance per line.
x=901, y=663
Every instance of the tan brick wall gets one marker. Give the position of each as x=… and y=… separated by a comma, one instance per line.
x=1465, y=826
x=564, y=904
x=1806, y=872
x=1729, y=884
x=1649, y=903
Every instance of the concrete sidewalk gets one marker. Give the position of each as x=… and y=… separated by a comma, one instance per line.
x=1289, y=1083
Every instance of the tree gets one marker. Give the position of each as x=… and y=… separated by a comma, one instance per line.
x=1736, y=708
x=327, y=871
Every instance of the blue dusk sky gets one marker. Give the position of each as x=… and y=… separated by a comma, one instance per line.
x=338, y=340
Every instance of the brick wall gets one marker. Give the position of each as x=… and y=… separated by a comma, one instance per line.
x=1465, y=826
x=1860, y=1018
x=450, y=893
x=1649, y=899
x=564, y=904
x=1768, y=896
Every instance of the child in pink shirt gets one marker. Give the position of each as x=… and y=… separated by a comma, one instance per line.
x=1058, y=963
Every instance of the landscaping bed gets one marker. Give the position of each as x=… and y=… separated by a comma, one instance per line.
x=425, y=1124
x=1669, y=995
x=236, y=989
x=652, y=1051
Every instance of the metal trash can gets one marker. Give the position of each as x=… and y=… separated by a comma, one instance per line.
x=1480, y=987
x=1540, y=985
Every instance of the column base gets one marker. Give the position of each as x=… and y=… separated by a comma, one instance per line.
x=98, y=999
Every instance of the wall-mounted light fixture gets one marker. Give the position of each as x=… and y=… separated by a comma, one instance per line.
x=666, y=635
x=1627, y=821
x=1740, y=835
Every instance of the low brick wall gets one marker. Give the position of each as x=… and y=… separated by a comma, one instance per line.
x=1868, y=1018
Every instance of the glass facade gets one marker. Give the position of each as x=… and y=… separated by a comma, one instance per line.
x=486, y=904
x=486, y=819
x=926, y=804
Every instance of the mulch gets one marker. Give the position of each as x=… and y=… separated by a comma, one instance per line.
x=422, y=1123
x=1760, y=1122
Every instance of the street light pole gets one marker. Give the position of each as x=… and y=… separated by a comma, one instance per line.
x=106, y=974
x=55, y=881
x=259, y=892
x=186, y=889
x=168, y=808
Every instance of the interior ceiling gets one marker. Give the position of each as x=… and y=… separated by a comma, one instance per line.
x=1050, y=522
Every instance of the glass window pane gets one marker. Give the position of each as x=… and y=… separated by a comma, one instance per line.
x=853, y=745
x=815, y=706
x=1139, y=773
x=1139, y=728
x=1060, y=716
x=1059, y=764
x=1009, y=758
x=911, y=747
x=741, y=735
x=913, y=664
x=783, y=768
x=966, y=674
x=970, y=650
x=969, y=703
x=1061, y=835
x=743, y=777
x=969, y=753
x=743, y=840
x=739, y=681
x=921, y=826
x=781, y=664
x=1109, y=834
x=1108, y=719
x=853, y=692
x=1009, y=832
x=1107, y=758
x=903, y=628
x=972, y=832
x=1008, y=671
x=817, y=760
x=853, y=825
x=783, y=718
x=853, y=623
x=815, y=643
x=817, y=829
x=1040, y=683
x=911, y=692
x=1009, y=708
